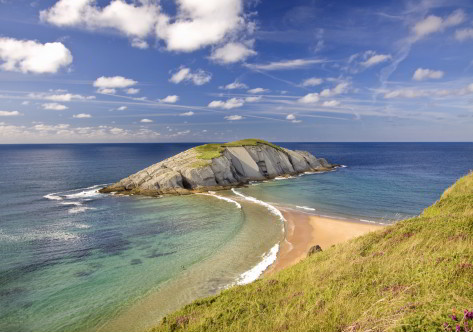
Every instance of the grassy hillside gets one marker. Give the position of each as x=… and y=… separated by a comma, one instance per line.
x=412, y=276
x=214, y=150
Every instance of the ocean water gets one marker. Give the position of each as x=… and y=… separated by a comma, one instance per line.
x=73, y=259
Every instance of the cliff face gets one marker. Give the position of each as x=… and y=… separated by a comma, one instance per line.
x=187, y=172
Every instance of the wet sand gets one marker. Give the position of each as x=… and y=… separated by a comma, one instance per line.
x=304, y=231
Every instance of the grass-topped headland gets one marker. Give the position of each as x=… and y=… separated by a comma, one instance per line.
x=416, y=275
x=214, y=150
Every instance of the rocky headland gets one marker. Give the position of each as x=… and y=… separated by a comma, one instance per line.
x=214, y=167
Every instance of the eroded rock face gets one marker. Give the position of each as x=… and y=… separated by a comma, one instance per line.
x=185, y=173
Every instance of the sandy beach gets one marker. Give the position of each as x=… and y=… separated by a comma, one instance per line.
x=305, y=231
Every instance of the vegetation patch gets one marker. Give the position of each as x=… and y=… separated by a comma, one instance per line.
x=213, y=150
x=416, y=275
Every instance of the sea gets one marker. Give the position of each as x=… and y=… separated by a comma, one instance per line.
x=73, y=259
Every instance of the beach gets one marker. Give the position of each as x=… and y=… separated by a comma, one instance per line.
x=306, y=230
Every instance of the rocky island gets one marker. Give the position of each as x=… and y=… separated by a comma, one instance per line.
x=215, y=166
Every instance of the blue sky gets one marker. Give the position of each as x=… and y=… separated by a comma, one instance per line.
x=220, y=70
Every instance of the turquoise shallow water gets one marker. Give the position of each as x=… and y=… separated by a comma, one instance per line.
x=76, y=260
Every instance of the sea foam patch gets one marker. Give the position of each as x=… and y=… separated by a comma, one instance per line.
x=271, y=208
x=254, y=273
x=212, y=194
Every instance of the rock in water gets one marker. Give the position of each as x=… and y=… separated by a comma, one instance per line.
x=218, y=166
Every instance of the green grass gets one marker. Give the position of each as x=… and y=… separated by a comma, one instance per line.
x=406, y=277
x=213, y=150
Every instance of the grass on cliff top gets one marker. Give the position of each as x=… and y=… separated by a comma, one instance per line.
x=214, y=150
x=411, y=276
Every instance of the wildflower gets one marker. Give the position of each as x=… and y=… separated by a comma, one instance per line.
x=454, y=317
x=458, y=328
x=468, y=314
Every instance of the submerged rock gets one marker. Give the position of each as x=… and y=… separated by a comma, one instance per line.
x=217, y=167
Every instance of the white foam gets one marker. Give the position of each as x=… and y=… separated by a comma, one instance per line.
x=283, y=178
x=80, y=209
x=271, y=208
x=52, y=196
x=81, y=226
x=71, y=203
x=211, y=194
x=254, y=273
x=306, y=208
x=84, y=194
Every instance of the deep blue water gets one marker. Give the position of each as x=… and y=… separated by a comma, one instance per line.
x=73, y=259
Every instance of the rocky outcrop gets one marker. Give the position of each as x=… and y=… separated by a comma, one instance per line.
x=187, y=172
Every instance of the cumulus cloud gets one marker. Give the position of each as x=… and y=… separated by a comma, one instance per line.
x=9, y=113
x=54, y=106
x=228, y=104
x=331, y=103
x=292, y=118
x=235, y=85
x=139, y=43
x=122, y=108
x=464, y=34
x=252, y=99
x=29, y=56
x=146, y=121
x=231, y=53
x=170, y=99
x=132, y=91
x=285, y=64
x=82, y=115
x=424, y=73
x=114, y=82
x=199, y=77
x=375, y=59
x=257, y=90
x=313, y=81
x=201, y=23
x=187, y=114
x=309, y=98
x=337, y=90
x=432, y=24
x=233, y=117
x=135, y=19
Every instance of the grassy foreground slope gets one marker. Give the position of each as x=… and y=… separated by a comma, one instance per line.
x=407, y=277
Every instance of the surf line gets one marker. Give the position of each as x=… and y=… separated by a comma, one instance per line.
x=210, y=194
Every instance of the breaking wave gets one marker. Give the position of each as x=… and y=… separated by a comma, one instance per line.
x=254, y=273
x=271, y=208
x=211, y=194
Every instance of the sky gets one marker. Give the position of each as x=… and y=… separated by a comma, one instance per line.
x=79, y=71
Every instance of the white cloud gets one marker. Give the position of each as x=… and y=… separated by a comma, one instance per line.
x=257, y=90
x=187, y=114
x=229, y=104
x=82, y=115
x=201, y=23
x=285, y=64
x=9, y=113
x=235, y=85
x=60, y=97
x=199, y=77
x=424, y=73
x=231, y=53
x=131, y=19
x=114, y=82
x=122, y=108
x=313, y=81
x=252, y=99
x=432, y=24
x=54, y=106
x=170, y=99
x=25, y=103
x=331, y=103
x=107, y=91
x=337, y=90
x=146, y=121
x=375, y=59
x=464, y=34
x=132, y=91
x=309, y=98
x=139, y=43
x=234, y=117
x=29, y=56
x=290, y=116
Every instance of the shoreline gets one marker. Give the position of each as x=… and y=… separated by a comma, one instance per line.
x=306, y=230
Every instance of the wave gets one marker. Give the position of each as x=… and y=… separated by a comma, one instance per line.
x=52, y=196
x=254, y=273
x=79, y=209
x=271, y=208
x=306, y=208
x=211, y=194
x=71, y=203
x=84, y=194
